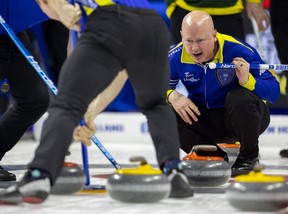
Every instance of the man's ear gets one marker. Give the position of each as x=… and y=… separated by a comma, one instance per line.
x=215, y=35
x=181, y=34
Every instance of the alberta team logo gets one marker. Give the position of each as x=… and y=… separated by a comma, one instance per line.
x=225, y=76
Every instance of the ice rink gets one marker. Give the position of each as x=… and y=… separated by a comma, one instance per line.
x=214, y=202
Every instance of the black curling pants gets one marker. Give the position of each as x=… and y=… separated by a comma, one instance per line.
x=279, y=27
x=27, y=89
x=243, y=119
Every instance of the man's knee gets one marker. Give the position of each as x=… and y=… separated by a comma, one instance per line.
x=240, y=98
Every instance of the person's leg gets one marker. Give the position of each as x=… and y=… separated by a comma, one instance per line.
x=78, y=85
x=4, y=103
x=247, y=116
x=189, y=139
x=279, y=27
x=29, y=93
x=208, y=130
x=149, y=75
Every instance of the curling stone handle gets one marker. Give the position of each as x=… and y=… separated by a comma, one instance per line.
x=206, y=148
x=140, y=159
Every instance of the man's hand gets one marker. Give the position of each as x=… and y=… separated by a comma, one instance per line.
x=242, y=70
x=84, y=133
x=257, y=11
x=62, y=11
x=184, y=107
x=69, y=14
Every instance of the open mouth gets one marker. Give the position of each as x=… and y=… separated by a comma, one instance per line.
x=197, y=55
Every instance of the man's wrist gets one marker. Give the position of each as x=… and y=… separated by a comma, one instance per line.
x=168, y=95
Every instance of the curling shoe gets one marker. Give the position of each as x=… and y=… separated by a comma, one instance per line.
x=179, y=183
x=243, y=165
x=284, y=153
x=6, y=176
x=34, y=188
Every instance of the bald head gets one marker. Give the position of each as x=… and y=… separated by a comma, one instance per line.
x=199, y=36
x=197, y=19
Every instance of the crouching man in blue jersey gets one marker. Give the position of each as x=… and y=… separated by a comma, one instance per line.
x=29, y=92
x=118, y=35
x=223, y=105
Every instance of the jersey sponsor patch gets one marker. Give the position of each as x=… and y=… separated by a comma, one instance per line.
x=225, y=76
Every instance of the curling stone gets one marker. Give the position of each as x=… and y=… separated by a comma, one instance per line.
x=143, y=184
x=70, y=180
x=232, y=150
x=258, y=192
x=204, y=169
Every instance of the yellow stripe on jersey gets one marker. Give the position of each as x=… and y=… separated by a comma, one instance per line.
x=232, y=39
x=250, y=84
x=89, y=10
x=104, y=2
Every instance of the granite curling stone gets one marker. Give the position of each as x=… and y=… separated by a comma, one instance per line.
x=258, y=192
x=204, y=169
x=232, y=150
x=143, y=184
x=70, y=180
